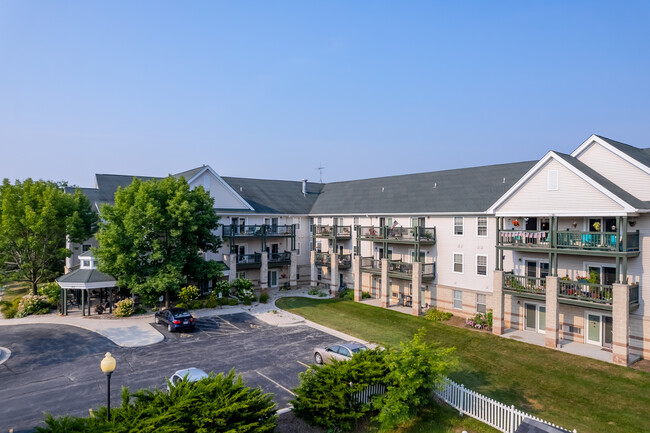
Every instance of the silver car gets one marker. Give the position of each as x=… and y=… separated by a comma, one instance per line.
x=342, y=351
x=193, y=375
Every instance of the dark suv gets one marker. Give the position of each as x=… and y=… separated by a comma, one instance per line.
x=176, y=319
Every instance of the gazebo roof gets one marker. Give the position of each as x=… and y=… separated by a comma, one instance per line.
x=86, y=279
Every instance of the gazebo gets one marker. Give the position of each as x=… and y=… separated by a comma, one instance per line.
x=85, y=279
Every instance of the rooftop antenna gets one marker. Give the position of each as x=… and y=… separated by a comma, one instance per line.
x=320, y=171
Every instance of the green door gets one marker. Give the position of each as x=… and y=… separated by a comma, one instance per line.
x=531, y=313
x=542, y=318
x=593, y=328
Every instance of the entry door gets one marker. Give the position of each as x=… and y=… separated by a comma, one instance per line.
x=273, y=278
x=608, y=331
x=340, y=280
x=609, y=275
x=593, y=329
x=536, y=318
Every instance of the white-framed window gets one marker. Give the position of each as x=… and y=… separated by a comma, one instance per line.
x=320, y=221
x=481, y=226
x=458, y=226
x=481, y=265
x=85, y=263
x=296, y=221
x=311, y=224
x=298, y=248
x=458, y=300
x=356, y=221
x=241, y=274
x=458, y=263
x=481, y=303
x=319, y=246
x=319, y=273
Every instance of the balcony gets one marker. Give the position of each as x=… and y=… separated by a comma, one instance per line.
x=277, y=260
x=326, y=231
x=345, y=261
x=322, y=259
x=397, y=268
x=249, y=261
x=580, y=293
x=258, y=230
x=571, y=241
x=398, y=234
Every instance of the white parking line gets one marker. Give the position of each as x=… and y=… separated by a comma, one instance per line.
x=273, y=381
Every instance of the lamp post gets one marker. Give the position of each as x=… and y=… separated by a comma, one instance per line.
x=108, y=365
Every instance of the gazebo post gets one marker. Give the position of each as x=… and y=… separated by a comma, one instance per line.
x=83, y=305
x=110, y=302
x=88, y=294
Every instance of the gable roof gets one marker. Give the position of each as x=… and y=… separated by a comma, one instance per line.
x=189, y=174
x=461, y=190
x=275, y=196
x=641, y=155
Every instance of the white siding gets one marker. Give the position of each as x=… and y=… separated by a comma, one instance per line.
x=223, y=197
x=574, y=196
x=617, y=170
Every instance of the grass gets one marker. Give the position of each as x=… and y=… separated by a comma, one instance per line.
x=571, y=391
x=15, y=290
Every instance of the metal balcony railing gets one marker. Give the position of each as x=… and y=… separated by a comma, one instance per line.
x=322, y=259
x=523, y=284
x=588, y=241
x=258, y=230
x=406, y=234
x=279, y=259
x=341, y=232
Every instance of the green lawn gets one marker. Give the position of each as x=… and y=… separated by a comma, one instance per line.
x=571, y=391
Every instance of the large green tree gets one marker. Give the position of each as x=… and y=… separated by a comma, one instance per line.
x=35, y=217
x=152, y=239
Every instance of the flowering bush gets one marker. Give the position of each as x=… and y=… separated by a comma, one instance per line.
x=52, y=291
x=32, y=304
x=244, y=290
x=124, y=308
x=480, y=321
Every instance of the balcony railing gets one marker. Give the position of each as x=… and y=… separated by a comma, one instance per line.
x=634, y=294
x=405, y=234
x=397, y=268
x=258, y=230
x=586, y=292
x=370, y=264
x=249, y=261
x=342, y=232
x=589, y=241
x=322, y=259
x=279, y=259
x=345, y=261
x=523, y=284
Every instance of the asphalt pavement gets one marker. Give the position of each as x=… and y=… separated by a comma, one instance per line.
x=55, y=368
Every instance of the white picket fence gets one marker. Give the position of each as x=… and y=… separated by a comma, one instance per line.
x=366, y=395
x=498, y=415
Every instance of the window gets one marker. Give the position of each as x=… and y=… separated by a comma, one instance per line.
x=240, y=275
x=481, y=304
x=311, y=246
x=481, y=226
x=356, y=221
x=298, y=249
x=319, y=271
x=85, y=247
x=311, y=224
x=458, y=300
x=458, y=263
x=85, y=263
x=296, y=221
x=458, y=226
x=319, y=247
x=481, y=265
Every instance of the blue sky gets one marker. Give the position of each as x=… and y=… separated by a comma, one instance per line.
x=273, y=89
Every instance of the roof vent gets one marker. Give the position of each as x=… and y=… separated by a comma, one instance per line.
x=382, y=189
x=435, y=185
x=504, y=180
x=241, y=188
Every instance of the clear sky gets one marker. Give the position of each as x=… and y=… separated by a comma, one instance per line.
x=273, y=89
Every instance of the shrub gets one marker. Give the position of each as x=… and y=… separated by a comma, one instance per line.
x=365, y=295
x=211, y=302
x=481, y=321
x=181, y=305
x=32, y=304
x=436, y=315
x=217, y=404
x=188, y=293
x=52, y=291
x=223, y=288
x=244, y=290
x=347, y=294
x=326, y=394
x=314, y=291
x=9, y=309
x=196, y=304
x=264, y=298
x=140, y=310
x=233, y=301
x=124, y=308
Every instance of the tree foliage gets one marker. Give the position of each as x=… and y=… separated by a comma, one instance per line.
x=152, y=239
x=220, y=403
x=35, y=217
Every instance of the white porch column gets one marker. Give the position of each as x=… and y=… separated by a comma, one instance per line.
x=552, y=312
x=356, y=269
x=498, y=314
x=334, y=273
x=232, y=264
x=385, y=295
x=621, y=324
x=416, y=290
x=293, y=270
x=264, y=271
x=312, y=261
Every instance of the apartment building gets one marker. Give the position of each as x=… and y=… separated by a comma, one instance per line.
x=553, y=246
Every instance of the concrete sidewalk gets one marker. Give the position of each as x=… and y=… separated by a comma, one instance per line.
x=137, y=331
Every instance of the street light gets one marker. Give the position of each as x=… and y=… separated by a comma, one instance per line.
x=108, y=365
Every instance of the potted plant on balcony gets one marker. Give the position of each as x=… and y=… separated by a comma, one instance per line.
x=515, y=223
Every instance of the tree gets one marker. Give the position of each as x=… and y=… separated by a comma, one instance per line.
x=35, y=218
x=152, y=239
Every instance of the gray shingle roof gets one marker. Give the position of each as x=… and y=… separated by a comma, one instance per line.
x=275, y=196
x=462, y=190
x=606, y=183
x=85, y=276
x=641, y=155
x=189, y=174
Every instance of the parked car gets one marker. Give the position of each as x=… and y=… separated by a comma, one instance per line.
x=193, y=375
x=342, y=351
x=176, y=319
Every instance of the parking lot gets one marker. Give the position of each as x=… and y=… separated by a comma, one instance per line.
x=55, y=368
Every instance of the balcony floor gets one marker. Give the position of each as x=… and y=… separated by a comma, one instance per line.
x=575, y=348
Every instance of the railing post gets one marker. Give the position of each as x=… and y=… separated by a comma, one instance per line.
x=461, y=405
x=511, y=429
x=498, y=313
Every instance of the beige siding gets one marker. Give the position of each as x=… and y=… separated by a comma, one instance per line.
x=621, y=172
x=574, y=195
